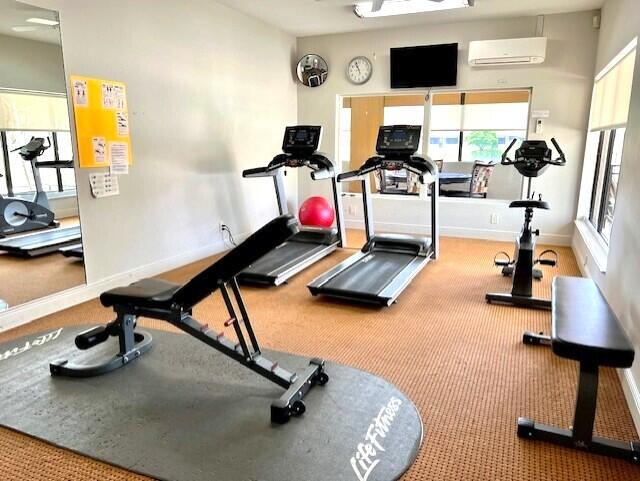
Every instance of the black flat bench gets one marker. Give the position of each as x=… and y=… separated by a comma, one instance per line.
x=585, y=329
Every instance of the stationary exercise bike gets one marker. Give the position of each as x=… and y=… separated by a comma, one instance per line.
x=19, y=215
x=531, y=160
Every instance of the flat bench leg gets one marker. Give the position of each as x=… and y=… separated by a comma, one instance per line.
x=132, y=345
x=581, y=436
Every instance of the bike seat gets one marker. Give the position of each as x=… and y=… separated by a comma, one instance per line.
x=534, y=204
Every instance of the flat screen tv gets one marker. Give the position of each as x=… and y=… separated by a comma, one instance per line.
x=424, y=66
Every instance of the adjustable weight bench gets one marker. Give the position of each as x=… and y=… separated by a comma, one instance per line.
x=585, y=329
x=173, y=303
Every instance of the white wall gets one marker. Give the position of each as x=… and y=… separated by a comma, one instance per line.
x=562, y=85
x=30, y=65
x=210, y=91
x=620, y=283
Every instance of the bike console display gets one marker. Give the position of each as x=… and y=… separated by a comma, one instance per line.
x=301, y=140
x=398, y=140
x=533, y=157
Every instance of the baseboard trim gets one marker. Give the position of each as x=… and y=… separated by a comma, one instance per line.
x=632, y=394
x=464, y=232
x=25, y=313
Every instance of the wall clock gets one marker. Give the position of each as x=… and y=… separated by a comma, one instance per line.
x=359, y=70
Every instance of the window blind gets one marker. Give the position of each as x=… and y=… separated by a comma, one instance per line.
x=33, y=111
x=612, y=95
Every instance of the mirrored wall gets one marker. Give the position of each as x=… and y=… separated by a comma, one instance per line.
x=40, y=242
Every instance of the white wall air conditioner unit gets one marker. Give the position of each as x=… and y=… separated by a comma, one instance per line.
x=512, y=51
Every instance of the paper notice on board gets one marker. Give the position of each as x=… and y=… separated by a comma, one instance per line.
x=80, y=93
x=103, y=185
x=120, y=95
x=122, y=123
x=113, y=96
x=119, y=157
x=99, y=150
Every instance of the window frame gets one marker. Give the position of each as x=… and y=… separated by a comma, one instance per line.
x=599, y=194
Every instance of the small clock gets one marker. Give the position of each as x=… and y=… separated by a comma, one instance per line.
x=359, y=70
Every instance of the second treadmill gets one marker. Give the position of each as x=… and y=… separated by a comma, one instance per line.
x=387, y=263
x=311, y=244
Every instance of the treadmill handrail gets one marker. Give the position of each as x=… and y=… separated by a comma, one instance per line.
x=321, y=167
x=415, y=164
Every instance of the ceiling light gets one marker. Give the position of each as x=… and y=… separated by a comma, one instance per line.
x=24, y=28
x=43, y=21
x=404, y=7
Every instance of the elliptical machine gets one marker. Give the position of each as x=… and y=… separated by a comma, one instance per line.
x=531, y=160
x=19, y=215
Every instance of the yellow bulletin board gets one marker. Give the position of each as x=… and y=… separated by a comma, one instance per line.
x=102, y=123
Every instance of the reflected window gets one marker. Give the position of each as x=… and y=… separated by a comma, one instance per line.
x=476, y=126
x=17, y=174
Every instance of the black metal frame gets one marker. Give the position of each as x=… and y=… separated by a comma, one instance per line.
x=581, y=435
x=246, y=351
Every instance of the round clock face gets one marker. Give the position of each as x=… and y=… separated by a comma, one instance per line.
x=359, y=70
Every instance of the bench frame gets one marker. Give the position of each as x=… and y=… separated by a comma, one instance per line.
x=581, y=436
x=246, y=351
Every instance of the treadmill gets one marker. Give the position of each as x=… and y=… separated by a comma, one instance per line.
x=300, y=149
x=387, y=263
x=41, y=243
x=75, y=251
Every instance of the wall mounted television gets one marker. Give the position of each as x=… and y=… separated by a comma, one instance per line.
x=424, y=66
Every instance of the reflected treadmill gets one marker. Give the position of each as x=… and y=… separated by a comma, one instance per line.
x=387, y=263
x=42, y=242
x=311, y=244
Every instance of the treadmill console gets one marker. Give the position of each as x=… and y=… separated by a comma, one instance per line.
x=302, y=140
x=398, y=140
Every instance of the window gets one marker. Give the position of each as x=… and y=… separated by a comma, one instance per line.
x=470, y=126
x=17, y=174
x=605, y=140
x=605, y=180
x=24, y=115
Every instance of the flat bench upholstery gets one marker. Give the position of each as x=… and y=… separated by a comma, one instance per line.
x=584, y=328
x=158, y=294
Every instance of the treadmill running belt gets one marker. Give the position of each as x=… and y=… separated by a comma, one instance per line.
x=42, y=242
x=371, y=274
x=283, y=257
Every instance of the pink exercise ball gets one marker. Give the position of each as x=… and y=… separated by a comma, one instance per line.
x=316, y=211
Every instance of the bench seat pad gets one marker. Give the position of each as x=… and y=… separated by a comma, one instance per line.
x=144, y=293
x=584, y=328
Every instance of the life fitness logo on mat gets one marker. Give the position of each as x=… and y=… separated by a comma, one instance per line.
x=38, y=341
x=366, y=459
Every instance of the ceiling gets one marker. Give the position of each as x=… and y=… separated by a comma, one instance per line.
x=14, y=13
x=317, y=17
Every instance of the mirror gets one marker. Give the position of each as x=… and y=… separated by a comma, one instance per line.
x=312, y=70
x=465, y=133
x=40, y=242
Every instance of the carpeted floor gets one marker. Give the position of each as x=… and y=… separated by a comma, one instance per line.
x=24, y=280
x=459, y=359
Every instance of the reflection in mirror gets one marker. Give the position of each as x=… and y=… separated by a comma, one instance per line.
x=465, y=134
x=312, y=70
x=40, y=243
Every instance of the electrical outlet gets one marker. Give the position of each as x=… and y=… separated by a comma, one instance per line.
x=221, y=226
x=495, y=218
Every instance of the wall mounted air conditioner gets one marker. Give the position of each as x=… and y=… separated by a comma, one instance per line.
x=513, y=51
